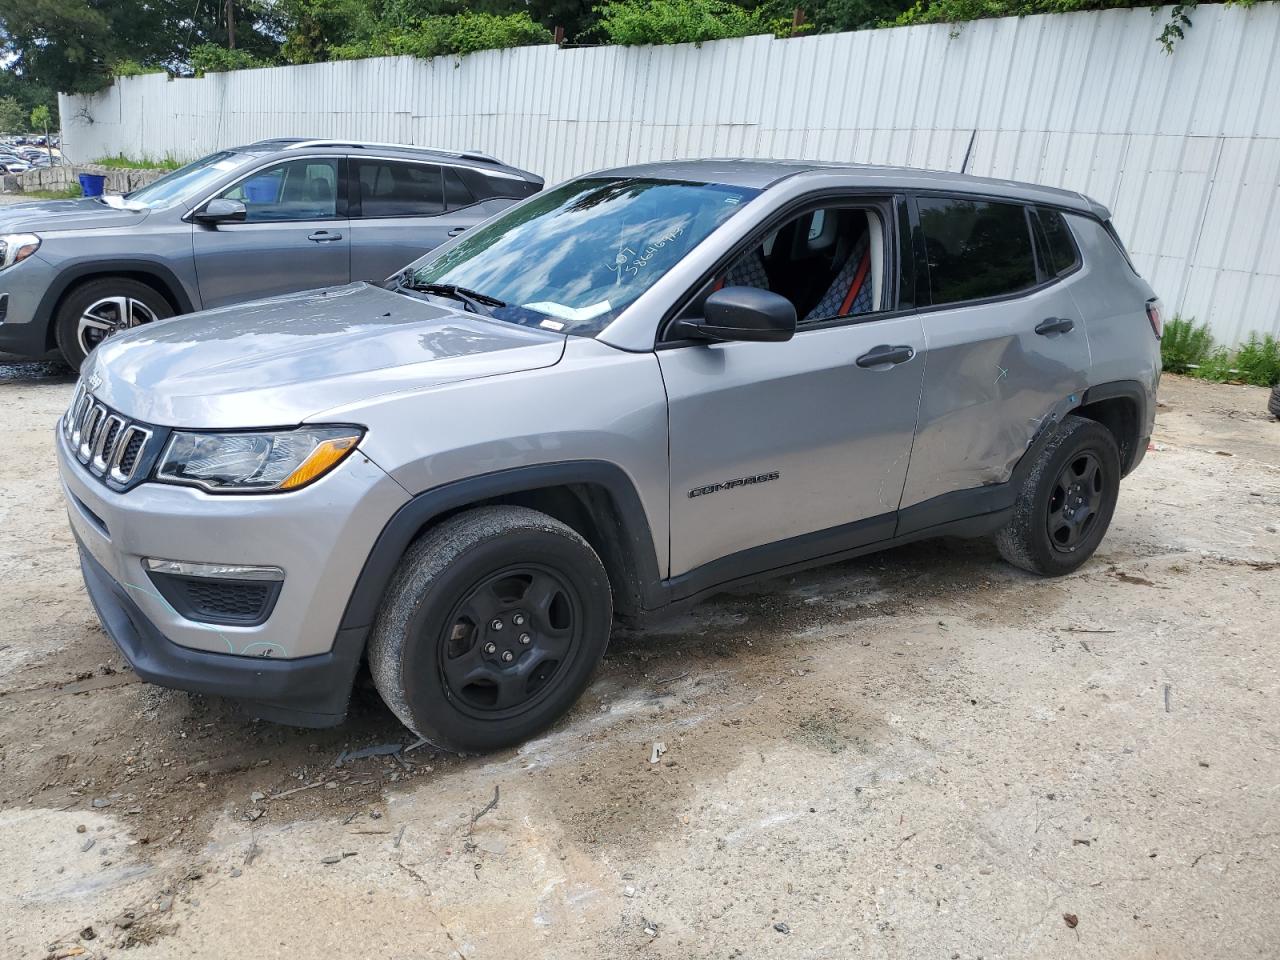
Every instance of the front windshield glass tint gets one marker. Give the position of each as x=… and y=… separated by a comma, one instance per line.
x=188, y=180
x=572, y=258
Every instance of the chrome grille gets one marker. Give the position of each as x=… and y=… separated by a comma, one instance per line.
x=104, y=441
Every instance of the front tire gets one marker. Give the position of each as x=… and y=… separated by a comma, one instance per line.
x=101, y=308
x=1066, y=502
x=491, y=628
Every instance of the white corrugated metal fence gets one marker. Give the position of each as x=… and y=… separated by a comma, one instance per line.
x=1185, y=149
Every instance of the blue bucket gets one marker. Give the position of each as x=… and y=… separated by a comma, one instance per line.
x=261, y=190
x=91, y=184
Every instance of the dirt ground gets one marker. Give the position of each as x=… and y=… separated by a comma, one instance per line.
x=922, y=754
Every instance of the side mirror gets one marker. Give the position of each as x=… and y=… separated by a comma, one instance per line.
x=222, y=211
x=743, y=313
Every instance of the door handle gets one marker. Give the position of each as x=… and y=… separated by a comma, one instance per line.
x=324, y=236
x=1055, y=325
x=455, y=231
x=885, y=354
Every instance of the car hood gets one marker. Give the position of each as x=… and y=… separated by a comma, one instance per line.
x=44, y=216
x=280, y=361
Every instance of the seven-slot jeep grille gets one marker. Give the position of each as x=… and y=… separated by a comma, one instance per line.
x=109, y=444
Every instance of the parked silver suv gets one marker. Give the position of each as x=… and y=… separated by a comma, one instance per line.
x=255, y=221
x=629, y=391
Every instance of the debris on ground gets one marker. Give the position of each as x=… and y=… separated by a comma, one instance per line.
x=289, y=793
x=487, y=807
x=380, y=750
x=1070, y=919
x=782, y=927
x=658, y=749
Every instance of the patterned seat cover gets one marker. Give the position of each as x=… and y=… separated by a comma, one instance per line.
x=747, y=271
x=849, y=293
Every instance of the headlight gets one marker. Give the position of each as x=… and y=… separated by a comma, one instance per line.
x=15, y=247
x=255, y=462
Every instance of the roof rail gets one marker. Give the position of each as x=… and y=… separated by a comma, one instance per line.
x=464, y=154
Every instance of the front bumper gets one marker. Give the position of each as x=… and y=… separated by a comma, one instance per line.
x=308, y=692
x=296, y=665
x=23, y=286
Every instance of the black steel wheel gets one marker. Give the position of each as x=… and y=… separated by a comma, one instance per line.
x=491, y=628
x=1075, y=502
x=505, y=641
x=1065, y=502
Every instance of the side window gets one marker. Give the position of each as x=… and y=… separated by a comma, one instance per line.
x=304, y=189
x=389, y=188
x=1060, y=252
x=976, y=249
x=456, y=193
x=828, y=262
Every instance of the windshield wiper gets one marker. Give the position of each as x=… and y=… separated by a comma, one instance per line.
x=478, y=302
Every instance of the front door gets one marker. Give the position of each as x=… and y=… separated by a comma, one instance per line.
x=770, y=442
x=295, y=235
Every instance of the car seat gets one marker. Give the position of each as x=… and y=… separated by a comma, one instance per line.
x=849, y=293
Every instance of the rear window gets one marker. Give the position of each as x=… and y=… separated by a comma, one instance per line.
x=976, y=248
x=1060, y=247
x=392, y=189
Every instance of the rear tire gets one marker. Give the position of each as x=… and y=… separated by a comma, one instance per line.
x=1066, y=502
x=491, y=628
x=1273, y=403
x=101, y=308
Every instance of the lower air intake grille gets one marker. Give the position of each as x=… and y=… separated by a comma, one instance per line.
x=230, y=601
x=242, y=603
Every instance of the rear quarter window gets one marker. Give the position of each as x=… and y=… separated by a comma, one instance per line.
x=976, y=249
x=1060, y=253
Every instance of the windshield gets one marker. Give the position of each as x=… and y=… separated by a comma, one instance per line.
x=572, y=258
x=185, y=181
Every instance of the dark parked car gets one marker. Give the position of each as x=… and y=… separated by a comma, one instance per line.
x=256, y=221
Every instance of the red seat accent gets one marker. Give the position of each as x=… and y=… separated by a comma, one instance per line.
x=858, y=279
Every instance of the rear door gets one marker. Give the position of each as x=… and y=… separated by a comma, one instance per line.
x=805, y=441
x=402, y=209
x=1006, y=345
x=295, y=234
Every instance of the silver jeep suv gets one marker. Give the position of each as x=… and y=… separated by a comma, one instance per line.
x=629, y=391
x=271, y=217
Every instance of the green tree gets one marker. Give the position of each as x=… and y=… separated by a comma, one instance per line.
x=73, y=45
x=13, y=119
x=211, y=58
x=636, y=22
x=837, y=16
x=435, y=36
x=40, y=119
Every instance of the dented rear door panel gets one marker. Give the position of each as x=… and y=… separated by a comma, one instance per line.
x=990, y=381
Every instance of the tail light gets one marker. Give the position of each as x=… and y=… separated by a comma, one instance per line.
x=1155, y=316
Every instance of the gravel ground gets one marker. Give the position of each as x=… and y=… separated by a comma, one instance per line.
x=923, y=754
